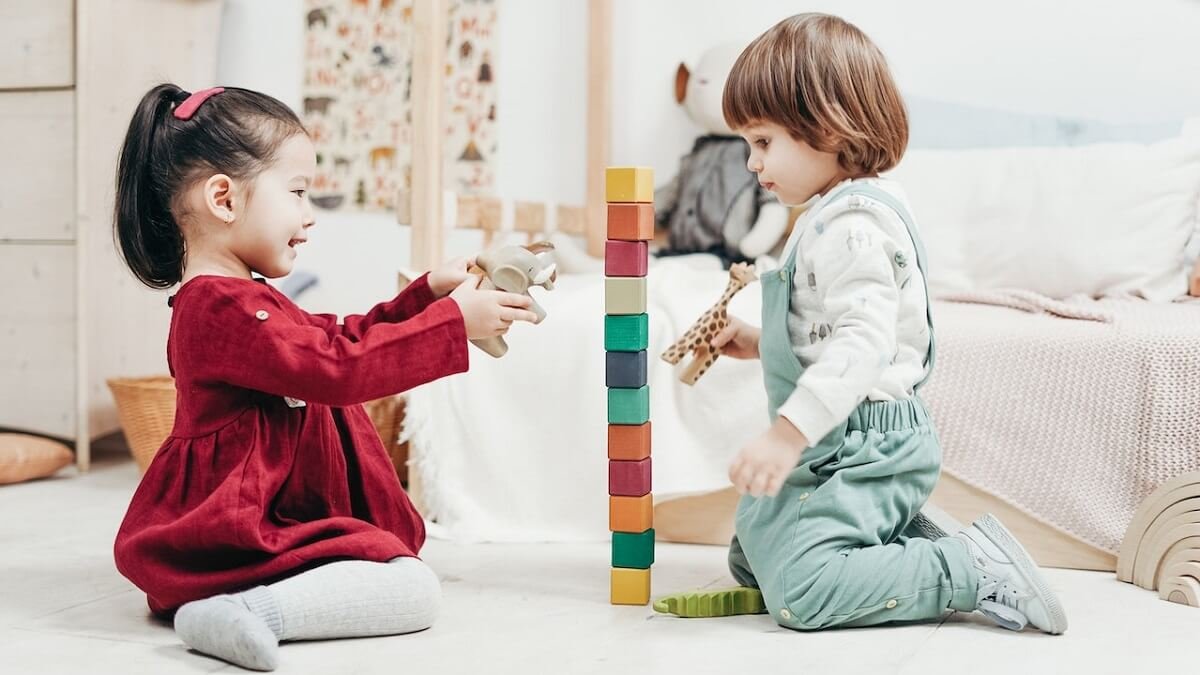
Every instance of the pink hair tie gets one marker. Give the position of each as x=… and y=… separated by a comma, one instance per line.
x=185, y=110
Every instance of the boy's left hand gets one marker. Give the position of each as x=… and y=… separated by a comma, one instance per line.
x=763, y=464
x=449, y=275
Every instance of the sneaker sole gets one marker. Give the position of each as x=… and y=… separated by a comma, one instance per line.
x=707, y=604
x=1002, y=538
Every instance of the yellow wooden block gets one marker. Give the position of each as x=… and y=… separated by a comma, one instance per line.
x=629, y=184
x=630, y=586
x=625, y=295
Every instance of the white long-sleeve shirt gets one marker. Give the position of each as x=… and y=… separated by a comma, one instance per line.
x=858, y=313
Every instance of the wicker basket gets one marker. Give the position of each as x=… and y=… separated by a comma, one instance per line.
x=387, y=414
x=146, y=408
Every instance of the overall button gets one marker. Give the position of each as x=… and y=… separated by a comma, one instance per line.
x=783, y=275
x=786, y=615
x=891, y=604
x=261, y=315
x=804, y=496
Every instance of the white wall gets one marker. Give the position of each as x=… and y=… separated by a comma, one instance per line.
x=262, y=48
x=1117, y=62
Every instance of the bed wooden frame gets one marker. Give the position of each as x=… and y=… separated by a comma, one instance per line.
x=708, y=518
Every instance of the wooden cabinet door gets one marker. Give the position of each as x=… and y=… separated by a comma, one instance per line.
x=37, y=176
x=37, y=338
x=37, y=44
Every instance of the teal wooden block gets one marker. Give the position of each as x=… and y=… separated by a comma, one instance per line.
x=629, y=406
x=629, y=333
x=633, y=551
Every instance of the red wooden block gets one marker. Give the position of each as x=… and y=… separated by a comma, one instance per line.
x=630, y=221
x=629, y=479
x=625, y=258
x=629, y=442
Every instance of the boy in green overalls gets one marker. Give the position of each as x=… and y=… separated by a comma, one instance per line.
x=825, y=530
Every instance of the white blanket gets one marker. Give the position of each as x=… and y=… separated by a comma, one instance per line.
x=516, y=448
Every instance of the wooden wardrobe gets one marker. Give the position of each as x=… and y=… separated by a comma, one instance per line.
x=71, y=316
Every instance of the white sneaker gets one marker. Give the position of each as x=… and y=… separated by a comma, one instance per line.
x=1012, y=591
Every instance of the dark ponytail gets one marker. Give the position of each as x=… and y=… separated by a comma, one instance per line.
x=236, y=132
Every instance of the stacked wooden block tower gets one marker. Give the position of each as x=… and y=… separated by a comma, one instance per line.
x=630, y=197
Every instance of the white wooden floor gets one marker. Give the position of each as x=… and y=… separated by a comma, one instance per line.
x=529, y=609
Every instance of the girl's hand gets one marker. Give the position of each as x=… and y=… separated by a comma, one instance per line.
x=449, y=275
x=490, y=313
x=738, y=340
x=763, y=464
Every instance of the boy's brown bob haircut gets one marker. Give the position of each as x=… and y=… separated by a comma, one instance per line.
x=823, y=80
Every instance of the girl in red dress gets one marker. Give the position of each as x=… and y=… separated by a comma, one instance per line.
x=272, y=512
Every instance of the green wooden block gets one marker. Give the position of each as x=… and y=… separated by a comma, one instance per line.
x=630, y=333
x=629, y=406
x=634, y=551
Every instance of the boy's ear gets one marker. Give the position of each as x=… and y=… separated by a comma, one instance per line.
x=219, y=197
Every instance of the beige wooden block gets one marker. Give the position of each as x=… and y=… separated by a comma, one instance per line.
x=625, y=295
x=37, y=178
x=629, y=184
x=37, y=338
x=37, y=44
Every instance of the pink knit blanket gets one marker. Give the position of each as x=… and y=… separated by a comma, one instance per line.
x=1073, y=411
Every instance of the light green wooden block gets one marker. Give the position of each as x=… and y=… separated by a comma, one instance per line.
x=629, y=406
x=625, y=295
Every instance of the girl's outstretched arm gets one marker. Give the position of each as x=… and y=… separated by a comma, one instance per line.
x=250, y=336
x=408, y=303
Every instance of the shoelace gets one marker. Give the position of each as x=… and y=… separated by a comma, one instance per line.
x=1000, y=602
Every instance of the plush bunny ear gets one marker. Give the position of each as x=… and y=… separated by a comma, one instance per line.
x=547, y=275
x=682, y=75
x=510, y=278
x=548, y=260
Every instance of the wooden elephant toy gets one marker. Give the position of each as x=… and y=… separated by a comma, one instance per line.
x=515, y=269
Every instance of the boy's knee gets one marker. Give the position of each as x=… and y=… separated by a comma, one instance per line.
x=807, y=605
x=739, y=566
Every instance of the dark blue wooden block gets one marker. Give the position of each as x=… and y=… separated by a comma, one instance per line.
x=625, y=369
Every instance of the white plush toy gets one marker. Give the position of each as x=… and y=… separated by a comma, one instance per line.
x=715, y=204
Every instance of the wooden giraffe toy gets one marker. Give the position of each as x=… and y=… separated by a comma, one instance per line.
x=697, y=340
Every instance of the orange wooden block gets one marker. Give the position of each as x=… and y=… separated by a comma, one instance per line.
x=631, y=514
x=629, y=442
x=631, y=221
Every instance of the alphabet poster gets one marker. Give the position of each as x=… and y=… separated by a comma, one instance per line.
x=358, y=99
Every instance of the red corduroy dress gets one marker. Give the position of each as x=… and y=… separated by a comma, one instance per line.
x=249, y=489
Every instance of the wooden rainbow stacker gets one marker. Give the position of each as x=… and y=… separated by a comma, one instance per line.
x=630, y=196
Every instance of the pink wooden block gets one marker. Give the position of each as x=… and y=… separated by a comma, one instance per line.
x=629, y=479
x=625, y=258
